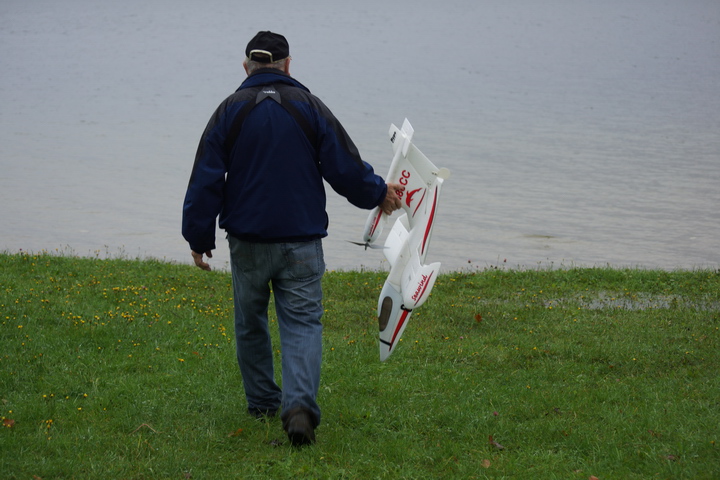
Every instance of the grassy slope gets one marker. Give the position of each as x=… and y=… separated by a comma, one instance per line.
x=126, y=369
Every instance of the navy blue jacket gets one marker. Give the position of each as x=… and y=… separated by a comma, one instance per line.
x=267, y=186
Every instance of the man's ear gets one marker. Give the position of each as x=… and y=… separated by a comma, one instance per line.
x=245, y=67
x=287, y=65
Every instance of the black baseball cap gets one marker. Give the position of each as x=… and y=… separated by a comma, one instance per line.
x=267, y=47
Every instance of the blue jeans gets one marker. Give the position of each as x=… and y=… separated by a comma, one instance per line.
x=295, y=272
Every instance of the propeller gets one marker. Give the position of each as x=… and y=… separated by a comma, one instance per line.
x=366, y=245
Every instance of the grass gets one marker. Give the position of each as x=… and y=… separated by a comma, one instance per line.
x=126, y=369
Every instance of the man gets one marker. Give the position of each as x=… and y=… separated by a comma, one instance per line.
x=260, y=166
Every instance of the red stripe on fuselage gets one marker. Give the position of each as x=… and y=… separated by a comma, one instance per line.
x=430, y=223
x=403, y=317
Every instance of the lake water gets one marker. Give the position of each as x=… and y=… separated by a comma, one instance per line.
x=578, y=132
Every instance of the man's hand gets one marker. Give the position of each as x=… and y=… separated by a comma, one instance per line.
x=392, y=201
x=198, y=257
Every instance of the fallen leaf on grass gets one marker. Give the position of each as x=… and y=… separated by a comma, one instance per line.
x=494, y=443
x=672, y=458
x=235, y=433
x=593, y=477
x=478, y=317
x=9, y=423
x=486, y=463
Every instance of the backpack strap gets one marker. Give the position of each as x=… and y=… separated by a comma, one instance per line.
x=263, y=93
x=236, y=126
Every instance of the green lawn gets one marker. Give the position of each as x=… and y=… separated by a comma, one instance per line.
x=126, y=369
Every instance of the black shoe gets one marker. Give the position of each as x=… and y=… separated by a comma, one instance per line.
x=300, y=427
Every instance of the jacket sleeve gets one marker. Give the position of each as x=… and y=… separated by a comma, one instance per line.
x=343, y=168
x=204, y=196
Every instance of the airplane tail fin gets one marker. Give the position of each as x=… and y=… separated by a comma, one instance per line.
x=401, y=137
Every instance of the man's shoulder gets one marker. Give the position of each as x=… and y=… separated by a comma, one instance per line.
x=289, y=89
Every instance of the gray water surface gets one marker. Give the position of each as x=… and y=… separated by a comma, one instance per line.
x=578, y=132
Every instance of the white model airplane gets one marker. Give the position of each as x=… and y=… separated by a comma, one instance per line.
x=410, y=280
